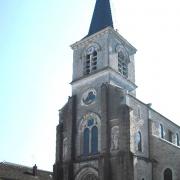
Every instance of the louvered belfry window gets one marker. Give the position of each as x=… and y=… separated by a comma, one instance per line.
x=90, y=61
x=122, y=64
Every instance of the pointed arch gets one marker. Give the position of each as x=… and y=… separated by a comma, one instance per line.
x=168, y=174
x=90, y=55
x=91, y=139
x=87, y=173
x=123, y=60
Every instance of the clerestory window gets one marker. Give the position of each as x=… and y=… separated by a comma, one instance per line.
x=161, y=131
x=122, y=64
x=139, y=141
x=177, y=139
x=90, y=64
x=170, y=136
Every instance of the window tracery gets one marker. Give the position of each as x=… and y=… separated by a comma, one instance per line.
x=87, y=173
x=90, y=134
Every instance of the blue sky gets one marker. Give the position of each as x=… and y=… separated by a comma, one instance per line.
x=36, y=65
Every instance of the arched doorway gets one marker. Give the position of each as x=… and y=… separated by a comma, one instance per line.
x=87, y=173
x=168, y=174
x=89, y=177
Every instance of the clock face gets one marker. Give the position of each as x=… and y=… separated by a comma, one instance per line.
x=88, y=97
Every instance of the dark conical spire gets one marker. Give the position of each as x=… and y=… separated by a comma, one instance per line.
x=102, y=17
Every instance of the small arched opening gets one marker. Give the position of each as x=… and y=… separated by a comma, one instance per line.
x=168, y=174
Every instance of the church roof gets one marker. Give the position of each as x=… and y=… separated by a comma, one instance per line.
x=102, y=17
x=10, y=171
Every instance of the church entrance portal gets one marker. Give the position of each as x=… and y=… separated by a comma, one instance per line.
x=89, y=177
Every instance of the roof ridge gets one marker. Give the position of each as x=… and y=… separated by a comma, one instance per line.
x=5, y=163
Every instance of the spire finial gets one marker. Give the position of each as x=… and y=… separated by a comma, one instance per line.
x=102, y=17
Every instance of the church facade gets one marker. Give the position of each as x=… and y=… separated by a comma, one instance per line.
x=104, y=131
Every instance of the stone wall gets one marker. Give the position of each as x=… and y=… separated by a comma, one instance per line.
x=164, y=153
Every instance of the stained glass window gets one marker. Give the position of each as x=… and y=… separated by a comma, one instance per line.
x=90, y=135
x=90, y=122
x=86, y=141
x=94, y=140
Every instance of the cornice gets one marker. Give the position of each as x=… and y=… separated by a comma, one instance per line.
x=108, y=30
x=102, y=72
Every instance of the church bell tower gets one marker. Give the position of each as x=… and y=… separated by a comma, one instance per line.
x=93, y=134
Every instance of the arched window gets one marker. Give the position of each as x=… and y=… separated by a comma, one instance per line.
x=170, y=136
x=161, y=131
x=177, y=139
x=139, y=141
x=89, y=134
x=168, y=174
x=90, y=64
x=86, y=142
x=122, y=64
x=94, y=140
x=90, y=143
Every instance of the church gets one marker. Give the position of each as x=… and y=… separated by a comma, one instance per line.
x=104, y=131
